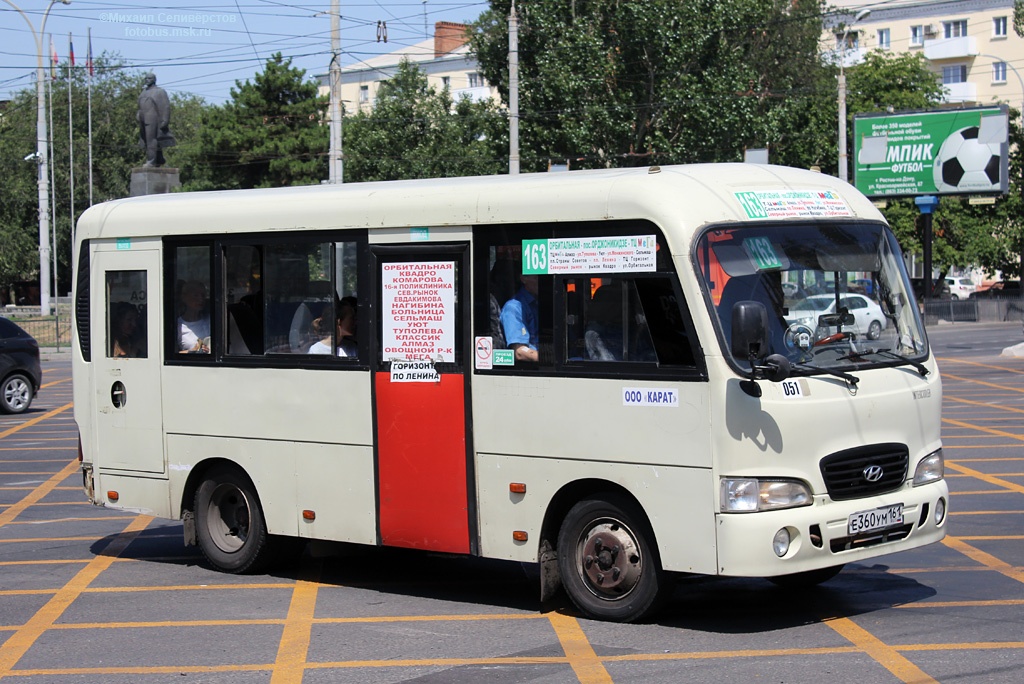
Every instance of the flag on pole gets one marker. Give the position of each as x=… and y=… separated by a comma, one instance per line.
x=88, y=57
x=53, y=60
x=71, y=49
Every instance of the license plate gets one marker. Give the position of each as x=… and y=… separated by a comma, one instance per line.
x=876, y=519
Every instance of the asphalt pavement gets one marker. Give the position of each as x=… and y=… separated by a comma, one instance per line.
x=93, y=595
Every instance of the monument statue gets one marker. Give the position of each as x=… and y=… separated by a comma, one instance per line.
x=154, y=119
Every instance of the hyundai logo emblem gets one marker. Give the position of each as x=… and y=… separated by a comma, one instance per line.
x=873, y=473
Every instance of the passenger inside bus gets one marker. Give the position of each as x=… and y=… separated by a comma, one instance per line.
x=502, y=288
x=520, y=320
x=345, y=322
x=127, y=342
x=194, y=320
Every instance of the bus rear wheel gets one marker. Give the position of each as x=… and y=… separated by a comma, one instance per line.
x=606, y=561
x=229, y=522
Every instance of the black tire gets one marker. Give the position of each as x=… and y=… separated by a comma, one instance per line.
x=805, y=580
x=607, y=563
x=229, y=522
x=874, y=330
x=16, y=394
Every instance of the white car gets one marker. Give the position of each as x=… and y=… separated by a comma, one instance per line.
x=868, y=317
x=961, y=288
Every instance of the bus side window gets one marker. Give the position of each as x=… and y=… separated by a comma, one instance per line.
x=244, y=299
x=190, y=310
x=519, y=310
x=298, y=289
x=126, y=314
x=625, y=319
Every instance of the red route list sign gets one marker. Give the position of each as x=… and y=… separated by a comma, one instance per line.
x=419, y=310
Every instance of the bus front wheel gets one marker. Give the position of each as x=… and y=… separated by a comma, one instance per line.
x=607, y=563
x=229, y=522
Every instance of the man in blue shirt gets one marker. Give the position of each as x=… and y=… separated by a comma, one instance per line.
x=519, y=320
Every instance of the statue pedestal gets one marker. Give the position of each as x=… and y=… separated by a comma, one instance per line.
x=153, y=180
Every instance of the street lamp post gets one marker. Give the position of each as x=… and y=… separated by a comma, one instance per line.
x=41, y=159
x=843, y=165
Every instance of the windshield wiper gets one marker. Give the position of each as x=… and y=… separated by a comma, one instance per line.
x=918, y=366
x=852, y=379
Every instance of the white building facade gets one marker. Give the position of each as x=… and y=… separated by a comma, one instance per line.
x=969, y=44
x=445, y=59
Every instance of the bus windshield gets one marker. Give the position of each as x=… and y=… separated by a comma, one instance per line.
x=836, y=295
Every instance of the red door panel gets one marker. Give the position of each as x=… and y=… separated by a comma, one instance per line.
x=421, y=442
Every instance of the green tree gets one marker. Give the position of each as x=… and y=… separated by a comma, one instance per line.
x=115, y=150
x=611, y=83
x=270, y=133
x=416, y=131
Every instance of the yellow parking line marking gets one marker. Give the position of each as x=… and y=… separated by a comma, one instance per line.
x=291, y=653
x=985, y=512
x=988, y=460
x=433, y=618
x=33, y=460
x=887, y=656
x=18, y=643
x=55, y=382
x=37, y=419
x=982, y=382
x=582, y=659
x=963, y=604
x=1001, y=537
x=60, y=520
x=986, y=559
x=47, y=539
x=975, y=363
x=991, y=406
x=192, y=587
x=38, y=493
x=991, y=479
x=538, y=660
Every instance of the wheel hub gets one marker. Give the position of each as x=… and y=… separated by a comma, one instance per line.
x=610, y=560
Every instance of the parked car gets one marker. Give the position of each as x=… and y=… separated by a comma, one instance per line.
x=940, y=291
x=960, y=288
x=20, y=373
x=863, y=286
x=1003, y=289
x=868, y=317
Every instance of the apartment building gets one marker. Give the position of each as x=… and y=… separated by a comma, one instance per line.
x=445, y=59
x=970, y=44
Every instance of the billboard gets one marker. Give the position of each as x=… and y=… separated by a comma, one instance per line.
x=936, y=152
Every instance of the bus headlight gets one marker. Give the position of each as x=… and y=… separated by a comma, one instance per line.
x=746, y=495
x=930, y=469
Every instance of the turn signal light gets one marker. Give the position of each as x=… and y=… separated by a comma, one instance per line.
x=517, y=487
x=520, y=535
x=113, y=496
x=309, y=515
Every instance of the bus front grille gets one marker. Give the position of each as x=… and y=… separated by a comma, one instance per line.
x=864, y=471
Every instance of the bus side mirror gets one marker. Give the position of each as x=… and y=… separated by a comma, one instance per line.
x=750, y=338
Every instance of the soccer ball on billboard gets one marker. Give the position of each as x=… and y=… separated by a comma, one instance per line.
x=965, y=164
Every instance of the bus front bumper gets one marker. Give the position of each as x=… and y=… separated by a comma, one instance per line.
x=819, y=535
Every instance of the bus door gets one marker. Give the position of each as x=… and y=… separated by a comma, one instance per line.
x=423, y=447
x=126, y=355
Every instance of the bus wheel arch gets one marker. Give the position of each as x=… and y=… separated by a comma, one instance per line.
x=229, y=524
x=584, y=513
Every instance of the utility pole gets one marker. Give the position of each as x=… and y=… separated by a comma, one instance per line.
x=42, y=138
x=336, y=169
x=513, y=91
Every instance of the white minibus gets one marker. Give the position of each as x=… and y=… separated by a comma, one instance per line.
x=619, y=375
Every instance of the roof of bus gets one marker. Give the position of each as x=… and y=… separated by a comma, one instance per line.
x=680, y=199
